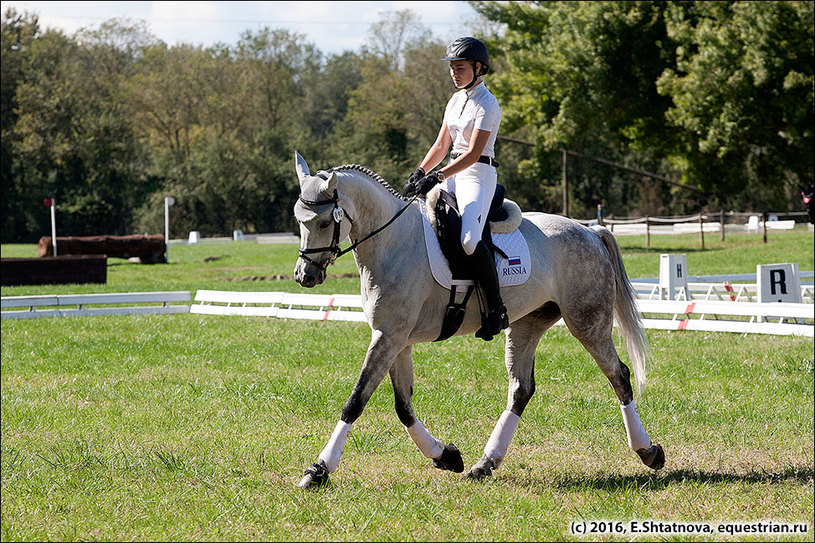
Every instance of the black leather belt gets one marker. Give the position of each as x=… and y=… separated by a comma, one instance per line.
x=484, y=159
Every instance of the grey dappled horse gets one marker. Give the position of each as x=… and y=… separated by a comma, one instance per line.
x=577, y=274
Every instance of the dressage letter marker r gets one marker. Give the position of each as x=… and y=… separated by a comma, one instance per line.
x=778, y=283
x=778, y=277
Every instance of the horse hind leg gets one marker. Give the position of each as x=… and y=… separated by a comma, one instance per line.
x=445, y=457
x=522, y=338
x=601, y=347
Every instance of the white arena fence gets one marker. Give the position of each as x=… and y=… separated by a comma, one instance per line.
x=736, y=292
x=720, y=315
x=284, y=305
x=78, y=305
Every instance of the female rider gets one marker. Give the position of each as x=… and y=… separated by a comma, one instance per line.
x=470, y=125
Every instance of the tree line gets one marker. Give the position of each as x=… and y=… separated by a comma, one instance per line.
x=110, y=120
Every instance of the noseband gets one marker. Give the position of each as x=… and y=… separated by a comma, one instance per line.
x=338, y=214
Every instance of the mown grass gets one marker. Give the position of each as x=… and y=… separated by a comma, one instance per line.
x=248, y=265
x=190, y=427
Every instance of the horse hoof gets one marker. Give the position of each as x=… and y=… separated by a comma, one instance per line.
x=450, y=459
x=653, y=457
x=481, y=470
x=316, y=475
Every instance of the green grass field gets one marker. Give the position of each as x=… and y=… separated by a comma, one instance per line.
x=191, y=427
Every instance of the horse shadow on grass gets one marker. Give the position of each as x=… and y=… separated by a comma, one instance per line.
x=655, y=481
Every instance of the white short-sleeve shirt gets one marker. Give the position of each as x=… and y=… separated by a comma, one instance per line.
x=469, y=110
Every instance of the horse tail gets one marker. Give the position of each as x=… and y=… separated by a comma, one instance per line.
x=625, y=309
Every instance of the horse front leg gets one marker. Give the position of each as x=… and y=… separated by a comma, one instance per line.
x=380, y=356
x=521, y=340
x=445, y=457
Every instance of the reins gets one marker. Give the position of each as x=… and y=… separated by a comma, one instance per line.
x=338, y=214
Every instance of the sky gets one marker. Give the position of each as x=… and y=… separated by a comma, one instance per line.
x=332, y=26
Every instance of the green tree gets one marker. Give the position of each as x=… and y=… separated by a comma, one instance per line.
x=17, y=33
x=73, y=137
x=582, y=76
x=222, y=123
x=719, y=93
x=742, y=94
x=396, y=110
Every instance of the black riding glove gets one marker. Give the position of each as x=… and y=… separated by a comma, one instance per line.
x=428, y=182
x=410, y=185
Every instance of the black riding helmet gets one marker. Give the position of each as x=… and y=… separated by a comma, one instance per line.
x=469, y=48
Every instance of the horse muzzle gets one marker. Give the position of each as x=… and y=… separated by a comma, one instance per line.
x=307, y=274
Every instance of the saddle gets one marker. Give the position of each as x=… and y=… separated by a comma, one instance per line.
x=446, y=221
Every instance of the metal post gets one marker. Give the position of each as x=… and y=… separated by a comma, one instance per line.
x=701, y=230
x=54, y=225
x=168, y=201
x=565, y=187
x=647, y=231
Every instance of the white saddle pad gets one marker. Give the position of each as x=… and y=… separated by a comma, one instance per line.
x=511, y=272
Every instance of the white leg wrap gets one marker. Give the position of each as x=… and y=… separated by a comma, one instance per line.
x=496, y=447
x=638, y=438
x=333, y=450
x=429, y=445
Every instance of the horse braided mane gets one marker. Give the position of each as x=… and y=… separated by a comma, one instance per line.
x=370, y=173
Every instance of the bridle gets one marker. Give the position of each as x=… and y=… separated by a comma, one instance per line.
x=338, y=214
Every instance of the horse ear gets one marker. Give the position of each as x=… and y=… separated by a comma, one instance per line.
x=331, y=183
x=301, y=166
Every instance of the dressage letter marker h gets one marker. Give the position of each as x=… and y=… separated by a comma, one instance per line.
x=673, y=275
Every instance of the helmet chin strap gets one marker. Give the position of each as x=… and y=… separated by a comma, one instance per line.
x=475, y=77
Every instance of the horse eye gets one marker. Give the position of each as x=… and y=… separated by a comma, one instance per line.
x=322, y=225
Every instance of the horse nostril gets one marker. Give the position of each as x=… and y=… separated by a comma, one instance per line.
x=308, y=280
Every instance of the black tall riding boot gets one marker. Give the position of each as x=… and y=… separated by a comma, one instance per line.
x=484, y=270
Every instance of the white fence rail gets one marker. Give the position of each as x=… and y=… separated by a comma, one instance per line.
x=72, y=305
x=737, y=292
x=712, y=315
x=717, y=316
x=723, y=315
x=284, y=305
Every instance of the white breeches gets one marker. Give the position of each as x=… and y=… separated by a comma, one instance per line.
x=474, y=189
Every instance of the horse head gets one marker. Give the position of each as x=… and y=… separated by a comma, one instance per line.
x=323, y=223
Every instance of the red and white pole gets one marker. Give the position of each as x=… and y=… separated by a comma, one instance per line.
x=50, y=202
